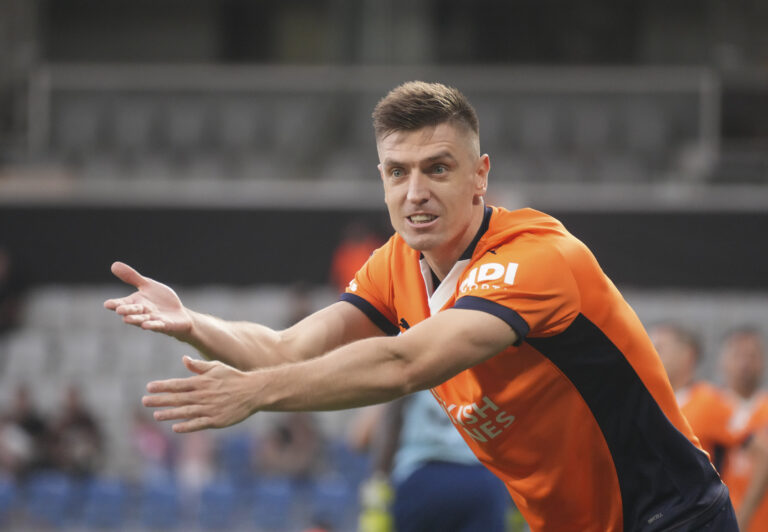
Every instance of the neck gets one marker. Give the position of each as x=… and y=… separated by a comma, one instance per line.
x=442, y=260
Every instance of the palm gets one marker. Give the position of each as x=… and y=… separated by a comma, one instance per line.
x=163, y=304
x=153, y=306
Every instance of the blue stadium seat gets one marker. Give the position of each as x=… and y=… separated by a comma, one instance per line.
x=105, y=502
x=218, y=505
x=353, y=466
x=274, y=503
x=160, y=505
x=51, y=499
x=333, y=503
x=234, y=454
x=7, y=500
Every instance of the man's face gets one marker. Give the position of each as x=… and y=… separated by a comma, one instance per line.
x=433, y=180
x=742, y=362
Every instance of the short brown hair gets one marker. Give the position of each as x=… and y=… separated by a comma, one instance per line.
x=416, y=104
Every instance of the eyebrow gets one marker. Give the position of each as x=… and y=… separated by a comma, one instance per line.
x=438, y=156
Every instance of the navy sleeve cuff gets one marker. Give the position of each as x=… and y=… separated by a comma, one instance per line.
x=372, y=312
x=512, y=318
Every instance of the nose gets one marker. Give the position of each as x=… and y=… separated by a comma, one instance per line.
x=418, y=188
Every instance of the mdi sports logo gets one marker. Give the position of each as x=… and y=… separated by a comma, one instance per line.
x=489, y=276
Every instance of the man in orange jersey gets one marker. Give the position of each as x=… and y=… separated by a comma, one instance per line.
x=704, y=406
x=530, y=349
x=742, y=361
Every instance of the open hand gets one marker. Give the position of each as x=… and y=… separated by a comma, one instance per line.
x=154, y=306
x=218, y=396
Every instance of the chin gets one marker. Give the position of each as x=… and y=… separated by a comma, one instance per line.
x=419, y=242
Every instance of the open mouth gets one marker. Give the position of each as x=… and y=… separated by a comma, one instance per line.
x=421, y=218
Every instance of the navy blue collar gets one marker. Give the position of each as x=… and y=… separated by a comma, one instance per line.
x=480, y=232
x=472, y=245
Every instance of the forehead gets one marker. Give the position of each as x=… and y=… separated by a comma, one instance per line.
x=424, y=143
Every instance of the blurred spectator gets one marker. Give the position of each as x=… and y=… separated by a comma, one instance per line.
x=11, y=292
x=703, y=404
x=438, y=482
x=152, y=445
x=292, y=448
x=357, y=244
x=742, y=361
x=194, y=464
x=78, y=447
x=24, y=436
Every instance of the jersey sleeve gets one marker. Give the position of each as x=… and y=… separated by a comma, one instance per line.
x=371, y=290
x=528, y=285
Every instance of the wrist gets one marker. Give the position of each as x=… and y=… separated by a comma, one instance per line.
x=192, y=334
x=258, y=391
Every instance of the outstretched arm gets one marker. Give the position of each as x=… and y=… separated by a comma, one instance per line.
x=365, y=372
x=243, y=345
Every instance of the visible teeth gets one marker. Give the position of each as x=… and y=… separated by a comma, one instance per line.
x=421, y=218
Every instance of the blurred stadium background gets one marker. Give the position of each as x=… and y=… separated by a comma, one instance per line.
x=223, y=147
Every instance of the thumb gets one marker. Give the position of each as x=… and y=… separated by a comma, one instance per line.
x=196, y=365
x=128, y=275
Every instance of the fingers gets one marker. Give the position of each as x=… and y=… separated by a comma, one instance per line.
x=181, y=412
x=145, y=321
x=172, y=385
x=195, y=365
x=154, y=325
x=128, y=275
x=126, y=308
x=194, y=424
x=217, y=396
x=195, y=415
x=114, y=304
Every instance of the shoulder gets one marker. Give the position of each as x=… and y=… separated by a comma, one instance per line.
x=709, y=396
x=521, y=245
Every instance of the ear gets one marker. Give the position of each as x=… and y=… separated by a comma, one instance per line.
x=481, y=175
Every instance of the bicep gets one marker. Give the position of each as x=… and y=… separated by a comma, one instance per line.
x=451, y=341
x=331, y=327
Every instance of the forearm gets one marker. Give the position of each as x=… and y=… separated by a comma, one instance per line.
x=358, y=374
x=243, y=345
x=249, y=346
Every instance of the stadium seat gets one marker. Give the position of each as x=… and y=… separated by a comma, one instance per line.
x=51, y=499
x=160, y=505
x=134, y=124
x=104, y=505
x=333, y=502
x=78, y=127
x=241, y=125
x=217, y=509
x=351, y=465
x=234, y=456
x=7, y=500
x=185, y=125
x=273, y=503
x=591, y=127
x=646, y=129
x=77, y=353
x=539, y=126
x=26, y=356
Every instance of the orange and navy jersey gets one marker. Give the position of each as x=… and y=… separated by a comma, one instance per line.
x=578, y=418
x=708, y=410
x=749, y=418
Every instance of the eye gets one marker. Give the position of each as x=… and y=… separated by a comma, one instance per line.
x=439, y=169
x=397, y=172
